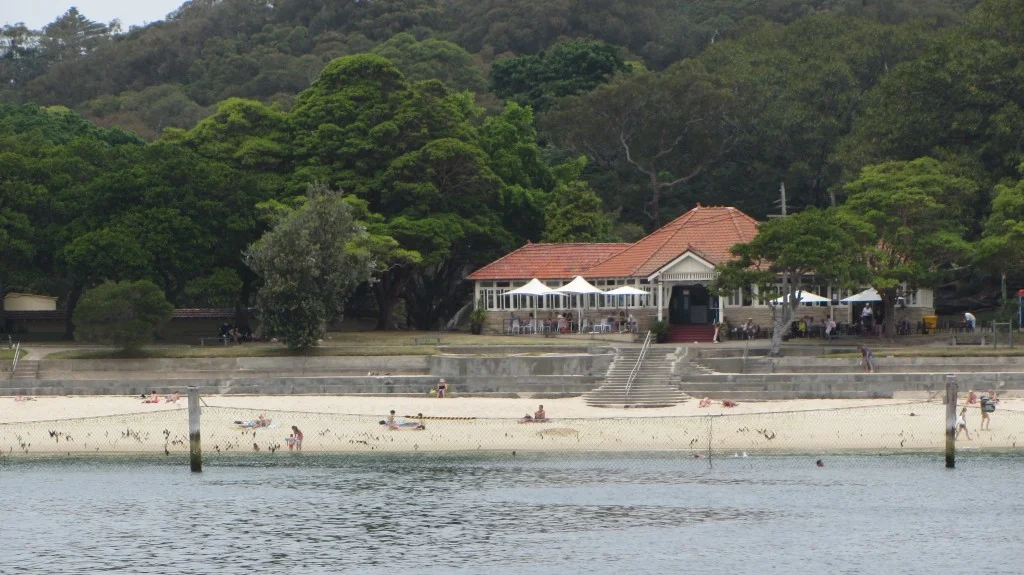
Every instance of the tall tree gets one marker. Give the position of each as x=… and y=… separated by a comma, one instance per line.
x=668, y=127
x=565, y=69
x=790, y=255
x=916, y=213
x=310, y=262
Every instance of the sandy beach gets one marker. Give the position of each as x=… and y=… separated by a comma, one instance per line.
x=98, y=424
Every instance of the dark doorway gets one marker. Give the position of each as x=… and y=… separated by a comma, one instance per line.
x=690, y=305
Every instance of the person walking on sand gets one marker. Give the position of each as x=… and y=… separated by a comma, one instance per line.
x=961, y=424
x=297, y=438
x=866, y=359
x=988, y=405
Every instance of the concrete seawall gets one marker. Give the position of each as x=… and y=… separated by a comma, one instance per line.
x=548, y=375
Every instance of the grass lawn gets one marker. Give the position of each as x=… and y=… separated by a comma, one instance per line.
x=7, y=354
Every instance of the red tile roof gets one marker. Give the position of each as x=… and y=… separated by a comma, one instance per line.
x=707, y=231
x=547, y=261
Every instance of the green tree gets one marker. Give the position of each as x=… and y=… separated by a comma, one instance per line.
x=1001, y=247
x=960, y=102
x=219, y=289
x=125, y=313
x=916, y=213
x=433, y=59
x=792, y=254
x=666, y=127
x=576, y=214
x=310, y=263
x=566, y=69
x=412, y=153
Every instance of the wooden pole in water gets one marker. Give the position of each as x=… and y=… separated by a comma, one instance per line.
x=195, y=449
x=951, y=390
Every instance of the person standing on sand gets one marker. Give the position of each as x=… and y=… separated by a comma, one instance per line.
x=961, y=424
x=866, y=359
x=297, y=438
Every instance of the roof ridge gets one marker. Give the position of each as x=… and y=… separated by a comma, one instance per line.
x=732, y=220
x=668, y=237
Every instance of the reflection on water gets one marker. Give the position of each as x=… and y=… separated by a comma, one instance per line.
x=546, y=513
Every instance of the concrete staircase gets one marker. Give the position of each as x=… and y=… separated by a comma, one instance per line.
x=26, y=369
x=691, y=333
x=654, y=385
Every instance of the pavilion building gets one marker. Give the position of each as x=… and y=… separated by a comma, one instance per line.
x=675, y=265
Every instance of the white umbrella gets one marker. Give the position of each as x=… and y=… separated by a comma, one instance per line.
x=625, y=290
x=867, y=295
x=579, y=286
x=535, y=288
x=805, y=297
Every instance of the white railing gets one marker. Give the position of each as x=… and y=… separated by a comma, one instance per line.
x=639, y=360
x=690, y=276
x=17, y=352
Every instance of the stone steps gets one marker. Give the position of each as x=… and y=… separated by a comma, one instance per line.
x=26, y=369
x=653, y=386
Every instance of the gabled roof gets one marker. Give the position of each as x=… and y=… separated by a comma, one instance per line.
x=708, y=231
x=547, y=261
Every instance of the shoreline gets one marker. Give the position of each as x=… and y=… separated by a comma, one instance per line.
x=334, y=424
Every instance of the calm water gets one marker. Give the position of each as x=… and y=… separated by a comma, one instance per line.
x=546, y=514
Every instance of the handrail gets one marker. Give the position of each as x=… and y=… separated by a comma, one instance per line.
x=639, y=360
x=17, y=352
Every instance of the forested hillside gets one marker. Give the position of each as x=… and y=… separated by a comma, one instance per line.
x=461, y=129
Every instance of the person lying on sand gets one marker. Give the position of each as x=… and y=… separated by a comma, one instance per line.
x=260, y=421
x=173, y=398
x=398, y=424
x=706, y=402
x=729, y=403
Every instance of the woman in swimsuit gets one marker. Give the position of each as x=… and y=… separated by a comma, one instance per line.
x=297, y=438
x=961, y=424
x=442, y=388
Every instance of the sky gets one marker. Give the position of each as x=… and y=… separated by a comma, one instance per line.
x=38, y=13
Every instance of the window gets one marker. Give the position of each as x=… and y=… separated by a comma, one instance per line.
x=735, y=298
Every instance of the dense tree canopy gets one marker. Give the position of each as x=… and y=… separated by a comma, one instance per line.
x=461, y=129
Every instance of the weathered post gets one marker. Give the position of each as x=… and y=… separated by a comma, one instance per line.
x=951, y=390
x=195, y=449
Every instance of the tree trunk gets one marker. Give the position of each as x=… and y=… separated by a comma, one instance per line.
x=781, y=318
x=69, y=325
x=889, y=297
x=655, y=202
x=3, y=310
x=386, y=291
